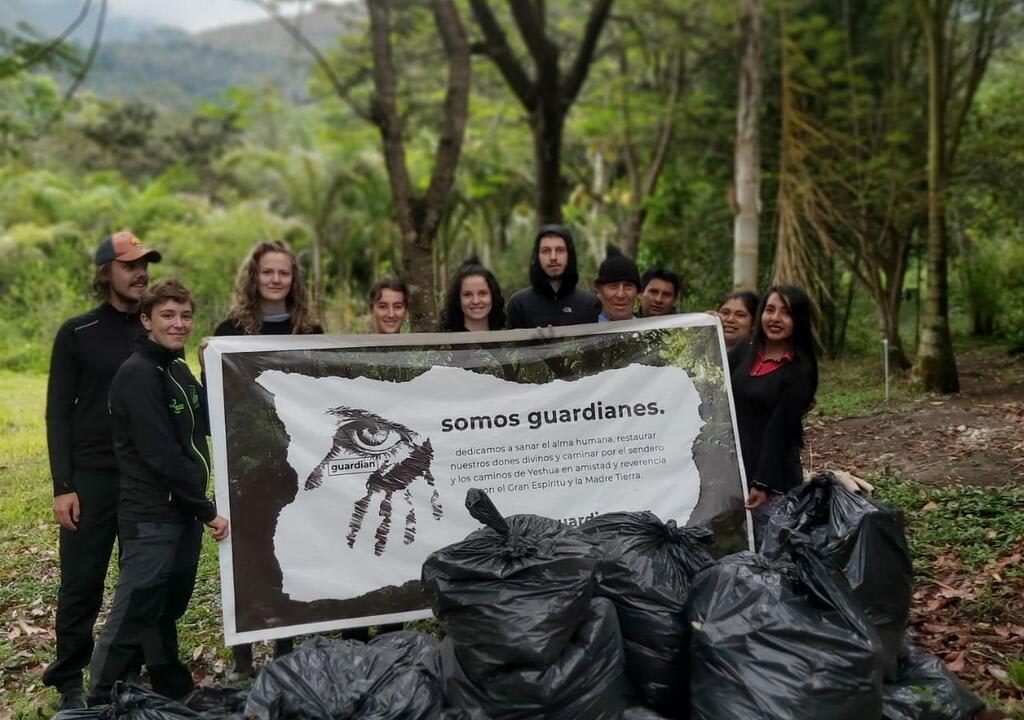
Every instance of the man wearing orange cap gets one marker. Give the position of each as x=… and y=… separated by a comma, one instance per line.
x=87, y=352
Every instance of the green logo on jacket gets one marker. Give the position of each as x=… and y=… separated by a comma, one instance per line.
x=193, y=395
x=176, y=407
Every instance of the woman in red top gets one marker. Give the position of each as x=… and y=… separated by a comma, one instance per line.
x=774, y=379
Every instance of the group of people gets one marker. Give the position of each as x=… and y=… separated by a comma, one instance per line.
x=127, y=423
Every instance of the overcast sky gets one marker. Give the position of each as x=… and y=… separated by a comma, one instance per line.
x=190, y=14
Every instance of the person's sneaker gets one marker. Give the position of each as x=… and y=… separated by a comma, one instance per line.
x=72, y=698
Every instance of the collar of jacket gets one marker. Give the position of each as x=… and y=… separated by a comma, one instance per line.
x=156, y=352
x=107, y=309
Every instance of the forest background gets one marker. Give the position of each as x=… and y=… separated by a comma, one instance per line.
x=885, y=140
x=204, y=144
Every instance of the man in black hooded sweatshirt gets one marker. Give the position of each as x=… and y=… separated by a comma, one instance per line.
x=552, y=298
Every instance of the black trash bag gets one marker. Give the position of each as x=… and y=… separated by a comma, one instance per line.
x=639, y=712
x=646, y=570
x=862, y=539
x=100, y=712
x=416, y=648
x=218, y=703
x=463, y=714
x=512, y=593
x=780, y=641
x=342, y=680
x=587, y=681
x=130, y=702
x=925, y=689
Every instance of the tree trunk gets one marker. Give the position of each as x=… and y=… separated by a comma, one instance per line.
x=631, y=232
x=889, y=321
x=547, y=127
x=549, y=95
x=748, y=148
x=419, y=218
x=936, y=364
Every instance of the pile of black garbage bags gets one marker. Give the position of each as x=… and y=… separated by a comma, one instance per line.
x=628, y=618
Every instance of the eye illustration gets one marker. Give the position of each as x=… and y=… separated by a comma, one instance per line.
x=371, y=436
x=397, y=458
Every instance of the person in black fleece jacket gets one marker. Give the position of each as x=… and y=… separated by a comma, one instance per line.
x=552, y=298
x=774, y=380
x=87, y=352
x=158, y=412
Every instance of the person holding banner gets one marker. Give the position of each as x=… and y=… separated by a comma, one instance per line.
x=269, y=299
x=618, y=284
x=552, y=298
x=660, y=291
x=474, y=300
x=774, y=380
x=737, y=312
x=160, y=428
x=389, y=303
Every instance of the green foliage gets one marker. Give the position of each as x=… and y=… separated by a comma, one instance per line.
x=989, y=208
x=28, y=103
x=978, y=525
x=1015, y=674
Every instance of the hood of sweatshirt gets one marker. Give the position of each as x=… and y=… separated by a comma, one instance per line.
x=538, y=279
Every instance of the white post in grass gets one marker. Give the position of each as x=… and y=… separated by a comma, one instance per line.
x=885, y=364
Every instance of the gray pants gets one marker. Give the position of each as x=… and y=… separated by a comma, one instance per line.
x=157, y=575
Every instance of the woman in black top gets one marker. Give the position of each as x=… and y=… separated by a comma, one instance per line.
x=474, y=300
x=774, y=379
x=269, y=299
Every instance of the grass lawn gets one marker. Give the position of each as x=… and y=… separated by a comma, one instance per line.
x=961, y=538
x=28, y=562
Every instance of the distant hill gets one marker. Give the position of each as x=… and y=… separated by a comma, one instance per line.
x=321, y=26
x=51, y=17
x=173, y=68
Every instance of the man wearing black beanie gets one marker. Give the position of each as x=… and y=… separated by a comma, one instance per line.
x=618, y=284
x=552, y=298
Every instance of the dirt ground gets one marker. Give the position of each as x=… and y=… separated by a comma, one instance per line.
x=975, y=437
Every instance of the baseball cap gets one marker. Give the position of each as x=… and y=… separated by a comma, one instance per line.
x=124, y=246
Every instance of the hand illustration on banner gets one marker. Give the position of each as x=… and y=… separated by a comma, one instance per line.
x=391, y=456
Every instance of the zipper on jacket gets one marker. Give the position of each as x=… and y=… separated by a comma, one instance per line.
x=192, y=432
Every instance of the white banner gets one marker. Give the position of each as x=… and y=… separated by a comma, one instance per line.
x=342, y=462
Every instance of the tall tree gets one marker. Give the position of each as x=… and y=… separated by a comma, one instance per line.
x=960, y=37
x=747, y=182
x=550, y=93
x=643, y=169
x=420, y=215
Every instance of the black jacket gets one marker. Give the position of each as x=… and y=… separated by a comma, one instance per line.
x=539, y=305
x=87, y=351
x=769, y=416
x=160, y=425
x=230, y=327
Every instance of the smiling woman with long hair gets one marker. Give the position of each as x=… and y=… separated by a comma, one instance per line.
x=474, y=300
x=270, y=295
x=269, y=299
x=774, y=379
